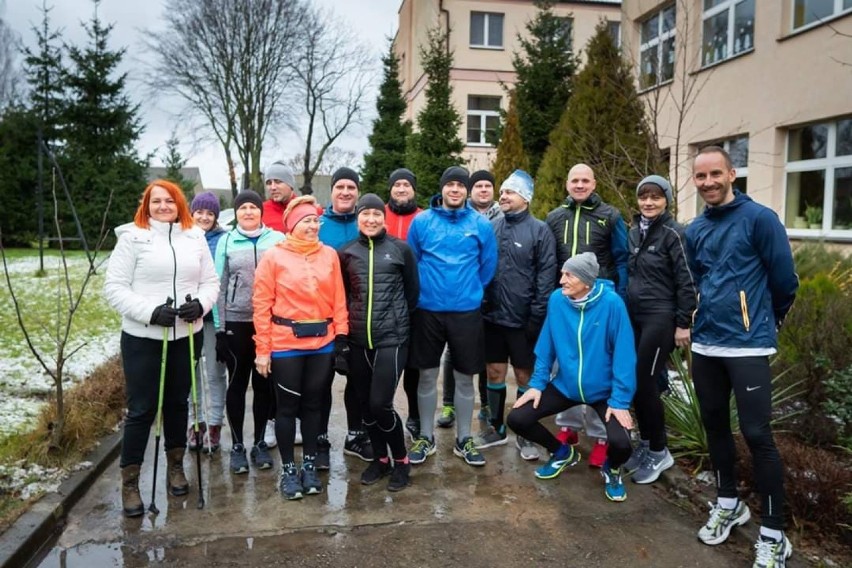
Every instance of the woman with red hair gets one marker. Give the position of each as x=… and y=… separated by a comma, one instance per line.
x=160, y=259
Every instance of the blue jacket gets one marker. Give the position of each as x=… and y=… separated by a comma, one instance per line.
x=213, y=236
x=741, y=260
x=337, y=229
x=592, y=341
x=456, y=254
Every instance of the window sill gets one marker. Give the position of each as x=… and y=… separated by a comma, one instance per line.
x=479, y=145
x=722, y=61
x=657, y=86
x=814, y=25
x=835, y=235
x=488, y=47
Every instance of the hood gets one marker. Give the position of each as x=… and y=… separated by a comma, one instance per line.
x=722, y=210
x=338, y=217
x=601, y=287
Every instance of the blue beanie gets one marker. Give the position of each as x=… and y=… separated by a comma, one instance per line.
x=521, y=183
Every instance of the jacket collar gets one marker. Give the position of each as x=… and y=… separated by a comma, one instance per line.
x=593, y=201
x=722, y=210
x=436, y=204
x=513, y=218
x=331, y=215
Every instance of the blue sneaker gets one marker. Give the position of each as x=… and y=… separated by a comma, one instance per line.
x=614, y=483
x=420, y=450
x=565, y=456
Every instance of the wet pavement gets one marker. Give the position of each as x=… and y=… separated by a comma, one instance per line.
x=453, y=514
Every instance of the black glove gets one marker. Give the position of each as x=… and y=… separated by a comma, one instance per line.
x=191, y=311
x=164, y=315
x=532, y=331
x=221, y=346
x=341, y=354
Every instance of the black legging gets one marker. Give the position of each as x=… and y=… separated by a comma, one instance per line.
x=354, y=418
x=525, y=422
x=410, y=380
x=300, y=384
x=240, y=363
x=654, y=335
x=751, y=381
x=375, y=373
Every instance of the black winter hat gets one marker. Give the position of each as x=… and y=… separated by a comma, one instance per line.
x=403, y=173
x=454, y=173
x=345, y=173
x=480, y=175
x=248, y=196
x=370, y=201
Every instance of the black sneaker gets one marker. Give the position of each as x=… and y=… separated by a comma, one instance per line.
x=260, y=456
x=360, y=447
x=400, y=478
x=290, y=484
x=375, y=471
x=310, y=480
x=412, y=426
x=323, y=459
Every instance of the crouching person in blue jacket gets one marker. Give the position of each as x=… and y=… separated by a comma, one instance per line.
x=587, y=331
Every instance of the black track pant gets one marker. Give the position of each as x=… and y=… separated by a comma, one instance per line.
x=141, y=358
x=654, y=335
x=410, y=380
x=526, y=422
x=300, y=385
x=241, y=370
x=751, y=382
x=375, y=374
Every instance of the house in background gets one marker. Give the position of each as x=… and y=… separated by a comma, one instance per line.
x=483, y=38
x=190, y=173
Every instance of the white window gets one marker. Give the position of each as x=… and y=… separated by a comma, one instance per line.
x=566, y=31
x=737, y=148
x=483, y=119
x=819, y=176
x=486, y=30
x=807, y=12
x=614, y=29
x=728, y=29
x=657, y=48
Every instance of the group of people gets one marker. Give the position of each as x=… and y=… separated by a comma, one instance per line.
x=585, y=310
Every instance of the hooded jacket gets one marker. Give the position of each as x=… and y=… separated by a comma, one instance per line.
x=149, y=265
x=741, y=260
x=592, y=340
x=382, y=288
x=456, y=255
x=337, y=229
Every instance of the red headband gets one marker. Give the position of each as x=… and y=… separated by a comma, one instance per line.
x=298, y=213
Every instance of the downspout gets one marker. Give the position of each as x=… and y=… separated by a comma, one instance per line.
x=446, y=19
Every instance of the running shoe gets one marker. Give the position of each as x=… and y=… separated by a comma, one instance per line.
x=310, y=479
x=721, y=521
x=772, y=553
x=637, y=457
x=613, y=483
x=375, y=472
x=400, y=478
x=447, y=417
x=323, y=459
x=239, y=463
x=420, y=450
x=290, y=484
x=598, y=455
x=359, y=446
x=269, y=434
x=492, y=437
x=467, y=450
x=529, y=451
x=654, y=464
x=565, y=456
x=260, y=456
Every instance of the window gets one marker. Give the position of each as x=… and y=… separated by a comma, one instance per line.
x=819, y=176
x=614, y=29
x=737, y=148
x=566, y=32
x=728, y=29
x=486, y=29
x=657, y=48
x=483, y=119
x=806, y=12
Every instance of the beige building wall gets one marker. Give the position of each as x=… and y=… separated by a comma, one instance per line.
x=789, y=79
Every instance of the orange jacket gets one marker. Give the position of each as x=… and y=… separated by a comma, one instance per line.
x=297, y=286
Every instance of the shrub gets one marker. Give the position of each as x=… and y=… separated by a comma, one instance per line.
x=838, y=404
x=815, y=258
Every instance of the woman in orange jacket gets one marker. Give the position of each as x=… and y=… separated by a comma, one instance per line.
x=301, y=324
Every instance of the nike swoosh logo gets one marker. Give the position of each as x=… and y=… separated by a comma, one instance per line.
x=749, y=389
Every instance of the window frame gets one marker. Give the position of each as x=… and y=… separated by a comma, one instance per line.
x=838, y=11
x=659, y=41
x=728, y=6
x=483, y=118
x=485, y=30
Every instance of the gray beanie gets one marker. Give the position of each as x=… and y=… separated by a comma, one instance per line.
x=279, y=171
x=660, y=182
x=584, y=266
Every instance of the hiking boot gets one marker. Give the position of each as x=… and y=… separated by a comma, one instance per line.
x=466, y=450
x=323, y=459
x=637, y=457
x=492, y=437
x=269, y=434
x=260, y=456
x=652, y=466
x=568, y=436
x=290, y=484
x=400, y=478
x=420, y=450
x=177, y=483
x=195, y=442
x=772, y=553
x=528, y=450
x=310, y=479
x=359, y=446
x=297, y=441
x=375, y=471
x=565, y=456
x=613, y=483
x=447, y=417
x=131, y=501
x=484, y=414
x=598, y=455
x=213, y=439
x=721, y=521
x=239, y=463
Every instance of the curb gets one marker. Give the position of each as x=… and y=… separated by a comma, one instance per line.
x=26, y=538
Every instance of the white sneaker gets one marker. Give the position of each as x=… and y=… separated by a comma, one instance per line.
x=721, y=521
x=298, y=440
x=772, y=554
x=269, y=435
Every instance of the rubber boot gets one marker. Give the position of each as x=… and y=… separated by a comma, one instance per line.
x=178, y=485
x=131, y=501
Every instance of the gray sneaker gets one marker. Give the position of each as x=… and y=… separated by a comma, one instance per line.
x=652, y=466
x=491, y=437
x=772, y=554
x=529, y=451
x=637, y=457
x=721, y=521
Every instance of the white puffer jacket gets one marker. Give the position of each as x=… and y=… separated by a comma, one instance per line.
x=149, y=265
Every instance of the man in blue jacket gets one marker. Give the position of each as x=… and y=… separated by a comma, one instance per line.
x=741, y=260
x=457, y=256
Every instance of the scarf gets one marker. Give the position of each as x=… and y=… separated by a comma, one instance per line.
x=300, y=245
x=251, y=234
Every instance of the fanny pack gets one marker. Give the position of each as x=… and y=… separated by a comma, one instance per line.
x=305, y=328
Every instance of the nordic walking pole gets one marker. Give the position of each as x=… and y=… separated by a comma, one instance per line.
x=195, y=406
x=159, y=419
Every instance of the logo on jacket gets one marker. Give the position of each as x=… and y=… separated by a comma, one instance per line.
x=602, y=222
x=519, y=245
x=652, y=248
x=387, y=256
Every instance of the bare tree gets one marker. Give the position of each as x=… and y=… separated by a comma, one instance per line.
x=333, y=159
x=226, y=60
x=8, y=68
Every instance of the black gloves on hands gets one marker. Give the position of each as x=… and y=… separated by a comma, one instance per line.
x=221, y=346
x=341, y=354
x=191, y=311
x=164, y=315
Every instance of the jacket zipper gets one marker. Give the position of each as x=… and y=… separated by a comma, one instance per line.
x=580, y=351
x=234, y=291
x=744, y=310
x=174, y=275
x=576, y=227
x=370, y=297
x=588, y=242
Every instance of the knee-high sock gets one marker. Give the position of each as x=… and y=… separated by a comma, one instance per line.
x=427, y=400
x=497, y=403
x=464, y=404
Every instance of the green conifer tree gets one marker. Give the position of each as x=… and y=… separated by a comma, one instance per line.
x=174, y=162
x=510, y=150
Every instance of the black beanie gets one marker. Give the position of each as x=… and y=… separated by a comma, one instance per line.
x=370, y=201
x=248, y=196
x=454, y=173
x=345, y=173
x=480, y=175
x=403, y=173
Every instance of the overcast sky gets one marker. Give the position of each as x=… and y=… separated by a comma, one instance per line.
x=373, y=20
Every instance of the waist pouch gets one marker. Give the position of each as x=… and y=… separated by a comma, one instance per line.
x=305, y=328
